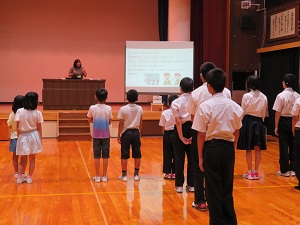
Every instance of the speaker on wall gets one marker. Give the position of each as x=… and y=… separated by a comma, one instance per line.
x=246, y=21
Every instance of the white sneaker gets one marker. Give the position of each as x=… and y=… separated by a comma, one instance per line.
x=96, y=179
x=123, y=178
x=21, y=180
x=16, y=175
x=179, y=189
x=136, y=177
x=190, y=189
x=286, y=174
x=292, y=173
x=29, y=180
x=104, y=179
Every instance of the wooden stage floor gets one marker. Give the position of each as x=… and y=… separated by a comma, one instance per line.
x=62, y=191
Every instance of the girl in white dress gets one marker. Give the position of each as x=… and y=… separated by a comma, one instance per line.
x=29, y=130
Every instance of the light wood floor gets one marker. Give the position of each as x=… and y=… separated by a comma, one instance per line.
x=62, y=191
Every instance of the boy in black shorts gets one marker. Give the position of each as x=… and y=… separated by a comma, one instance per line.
x=129, y=134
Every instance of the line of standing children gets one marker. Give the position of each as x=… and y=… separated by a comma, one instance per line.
x=283, y=105
x=167, y=123
x=252, y=134
x=100, y=115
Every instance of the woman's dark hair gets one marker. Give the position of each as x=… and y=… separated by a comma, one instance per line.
x=75, y=63
x=253, y=82
x=18, y=103
x=31, y=101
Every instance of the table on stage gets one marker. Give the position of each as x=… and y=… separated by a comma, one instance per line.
x=70, y=93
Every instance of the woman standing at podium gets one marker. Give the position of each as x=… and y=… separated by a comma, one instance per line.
x=77, y=71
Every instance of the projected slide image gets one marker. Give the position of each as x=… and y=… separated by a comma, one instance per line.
x=157, y=67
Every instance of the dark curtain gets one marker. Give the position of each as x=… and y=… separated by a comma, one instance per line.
x=196, y=37
x=163, y=10
x=273, y=66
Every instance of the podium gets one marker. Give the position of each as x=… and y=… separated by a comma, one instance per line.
x=65, y=94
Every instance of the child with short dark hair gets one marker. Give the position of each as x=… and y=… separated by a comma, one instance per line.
x=183, y=136
x=29, y=129
x=218, y=121
x=129, y=134
x=198, y=96
x=252, y=134
x=167, y=123
x=100, y=115
x=283, y=125
x=13, y=137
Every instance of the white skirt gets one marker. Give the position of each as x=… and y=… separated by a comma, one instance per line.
x=29, y=143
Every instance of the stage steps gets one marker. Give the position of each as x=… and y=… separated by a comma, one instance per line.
x=73, y=126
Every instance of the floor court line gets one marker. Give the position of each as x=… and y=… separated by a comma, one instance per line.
x=124, y=192
x=93, y=187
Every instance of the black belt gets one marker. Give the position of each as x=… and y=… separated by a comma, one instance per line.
x=219, y=141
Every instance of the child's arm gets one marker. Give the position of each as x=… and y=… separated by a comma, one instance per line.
x=200, y=143
x=141, y=125
x=90, y=119
x=120, y=128
x=9, y=131
x=277, y=117
x=236, y=137
x=39, y=128
x=179, y=130
x=18, y=131
x=109, y=122
x=294, y=121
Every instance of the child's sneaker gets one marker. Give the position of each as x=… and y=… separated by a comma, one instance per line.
x=255, y=176
x=249, y=175
x=123, y=178
x=179, y=189
x=292, y=173
x=28, y=180
x=20, y=180
x=286, y=174
x=16, y=175
x=168, y=176
x=136, y=177
x=200, y=206
x=190, y=189
x=173, y=176
x=96, y=179
x=104, y=178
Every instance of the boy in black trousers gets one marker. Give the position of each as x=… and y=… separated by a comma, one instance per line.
x=218, y=121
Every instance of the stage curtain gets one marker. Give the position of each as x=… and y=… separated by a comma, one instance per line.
x=196, y=37
x=163, y=8
x=273, y=66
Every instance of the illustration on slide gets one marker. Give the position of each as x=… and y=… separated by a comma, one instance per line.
x=167, y=77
